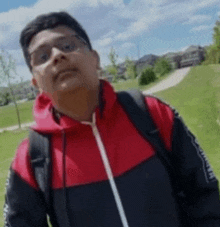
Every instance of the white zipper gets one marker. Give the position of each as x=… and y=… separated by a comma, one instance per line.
x=109, y=173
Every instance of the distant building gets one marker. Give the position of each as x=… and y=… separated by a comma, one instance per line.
x=145, y=61
x=174, y=59
x=121, y=70
x=107, y=76
x=192, y=56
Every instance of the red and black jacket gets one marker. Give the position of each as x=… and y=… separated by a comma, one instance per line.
x=142, y=182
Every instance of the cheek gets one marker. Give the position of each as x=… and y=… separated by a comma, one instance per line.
x=43, y=81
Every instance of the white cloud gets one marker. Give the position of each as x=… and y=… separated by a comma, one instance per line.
x=134, y=29
x=198, y=19
x=201, y=28
x=111, y=33
x=105, y=42
x=108, y=22
x=127, y=45
x=206, y=3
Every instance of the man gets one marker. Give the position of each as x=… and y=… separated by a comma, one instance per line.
x=104, y=173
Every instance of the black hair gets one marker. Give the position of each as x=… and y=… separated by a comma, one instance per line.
x=49, y=21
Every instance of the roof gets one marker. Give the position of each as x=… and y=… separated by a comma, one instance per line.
x=171, y=54
x=193, y=48
x=147, y=58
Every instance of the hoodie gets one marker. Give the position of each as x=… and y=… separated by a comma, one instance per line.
x=104, y=173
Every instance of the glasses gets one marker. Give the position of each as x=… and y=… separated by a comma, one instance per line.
x=72, y=43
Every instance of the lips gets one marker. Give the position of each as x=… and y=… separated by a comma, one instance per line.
x=62, y=75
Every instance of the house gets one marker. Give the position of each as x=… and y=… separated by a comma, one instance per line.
x=145, y=61
x=107, y=76
x=121, y=70
x=174, y=59
x=193, y=55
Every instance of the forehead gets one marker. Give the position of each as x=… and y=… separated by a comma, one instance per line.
x=48, y=35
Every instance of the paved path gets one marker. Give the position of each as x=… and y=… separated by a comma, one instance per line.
x=11, y=128
x=171, y=81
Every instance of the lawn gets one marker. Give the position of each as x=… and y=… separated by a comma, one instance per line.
x=8, y=143
x=8, y=115
x=197, y=99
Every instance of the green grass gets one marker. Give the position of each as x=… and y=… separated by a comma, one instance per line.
x=8, y=115
x=197, y=99
x=8, y=144
x=133, y=84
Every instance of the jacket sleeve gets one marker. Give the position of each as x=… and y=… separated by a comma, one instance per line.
x=24, y=205
x=197, y=178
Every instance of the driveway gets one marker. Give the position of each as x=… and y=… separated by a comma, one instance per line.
x=171, y=81
x=175, y=78
x=11, y=128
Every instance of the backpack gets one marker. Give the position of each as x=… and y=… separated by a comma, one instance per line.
x=133, y=102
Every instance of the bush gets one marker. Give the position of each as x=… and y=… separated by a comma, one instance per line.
x=162, y=66
x=5, y=98
x=30, y=96
x=147, y=76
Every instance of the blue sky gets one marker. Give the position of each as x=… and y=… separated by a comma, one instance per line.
x=156, y=27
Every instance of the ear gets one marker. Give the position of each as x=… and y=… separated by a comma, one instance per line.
x=96, y=55
x=34, y=82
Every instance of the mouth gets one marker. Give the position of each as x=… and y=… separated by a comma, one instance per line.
x=63, y=74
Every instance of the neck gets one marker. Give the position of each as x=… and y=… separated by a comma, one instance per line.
x=80, y=105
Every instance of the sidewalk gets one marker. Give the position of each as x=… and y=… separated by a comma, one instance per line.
x=11, y=128
x=175, y=78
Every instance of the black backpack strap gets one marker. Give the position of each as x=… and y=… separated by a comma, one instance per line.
x=39, y=150
x=40, y=154
x=133, y=102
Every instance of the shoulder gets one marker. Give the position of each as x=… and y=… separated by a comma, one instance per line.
x=163, y=116
x=21, y=163
x=159, y=107
x=21, y=154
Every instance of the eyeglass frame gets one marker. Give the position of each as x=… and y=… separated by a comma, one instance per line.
x=52, y=46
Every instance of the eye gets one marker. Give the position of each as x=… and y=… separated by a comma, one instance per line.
x=43, y=57
x=68, y=46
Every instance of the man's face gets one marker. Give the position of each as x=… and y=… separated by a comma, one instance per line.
x=62, y=63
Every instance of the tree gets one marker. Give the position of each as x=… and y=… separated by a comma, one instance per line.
x=5, y=98
x=216, y=34
x=7, y=70
x=212, y=55
x=162, y=66
x=213, y=51
x=113, y=67
x=131, y=71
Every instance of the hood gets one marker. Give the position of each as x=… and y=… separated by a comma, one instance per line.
x=44, y=119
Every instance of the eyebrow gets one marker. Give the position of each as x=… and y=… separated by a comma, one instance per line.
x=56, y=39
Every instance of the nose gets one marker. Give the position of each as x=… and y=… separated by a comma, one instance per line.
x=57, y=55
